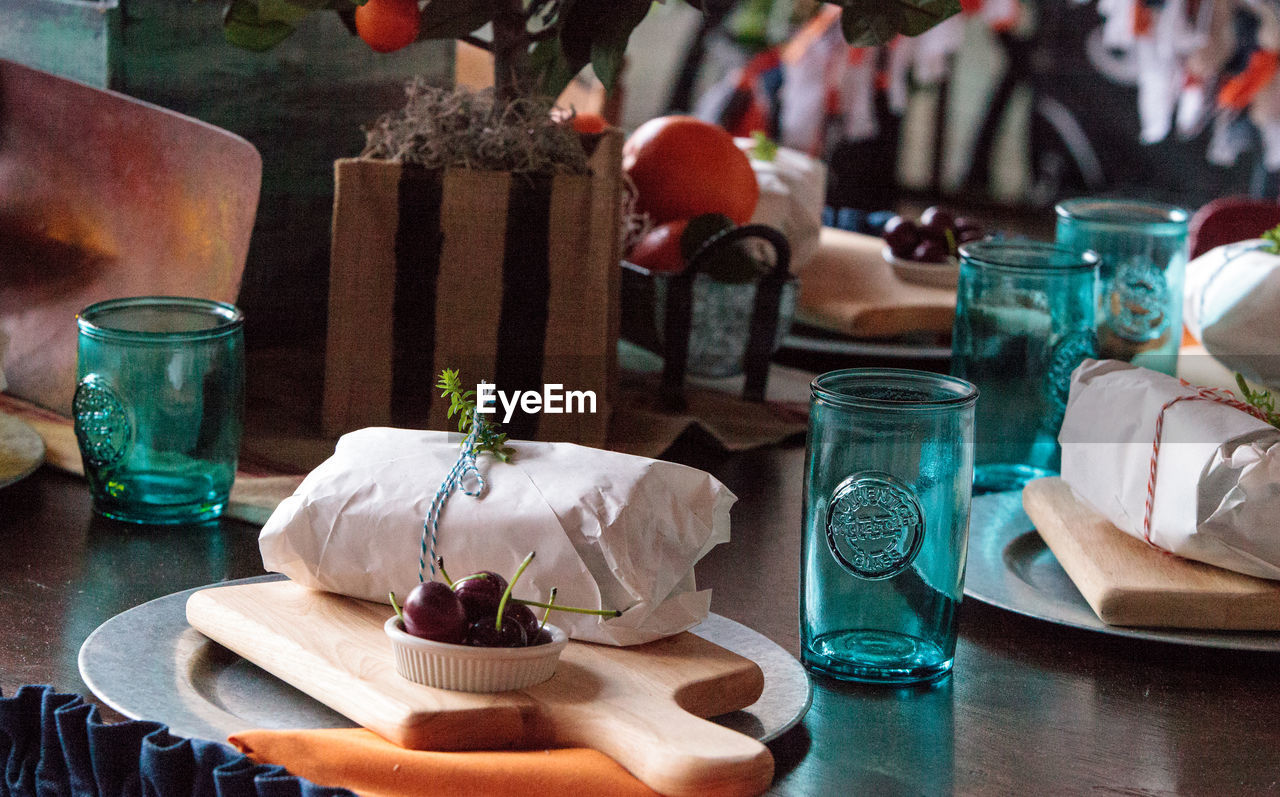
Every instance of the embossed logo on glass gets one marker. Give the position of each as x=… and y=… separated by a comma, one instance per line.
x=1070, y=350
x=102, y=425
x=874, y=525
x=1136, y=300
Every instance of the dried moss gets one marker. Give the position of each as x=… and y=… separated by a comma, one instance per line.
x=459, y=128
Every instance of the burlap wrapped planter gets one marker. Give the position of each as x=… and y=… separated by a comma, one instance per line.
x=514, y=280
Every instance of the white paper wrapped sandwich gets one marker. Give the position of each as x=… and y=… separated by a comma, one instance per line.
x=610, y=530
x=1216, y=496
x=1232, y=306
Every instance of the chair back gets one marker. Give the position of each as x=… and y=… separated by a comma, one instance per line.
x=104, y=196
x=1230, y=219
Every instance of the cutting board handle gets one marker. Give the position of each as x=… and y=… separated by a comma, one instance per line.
x=666, y=747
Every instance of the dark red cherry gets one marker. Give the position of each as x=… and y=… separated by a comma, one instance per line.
x=432, y=611
x=901, y=235
x=480, y=594
x=930, y=251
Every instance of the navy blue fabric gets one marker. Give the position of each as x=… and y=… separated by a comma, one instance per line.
x=55, y=745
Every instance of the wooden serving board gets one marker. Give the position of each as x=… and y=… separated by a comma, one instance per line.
x=1130, y=583
x=640, y=705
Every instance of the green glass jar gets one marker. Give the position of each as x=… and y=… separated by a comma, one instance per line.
x=888, y=479
x=1143, y=250
x=1024, y=320
x=159, y=406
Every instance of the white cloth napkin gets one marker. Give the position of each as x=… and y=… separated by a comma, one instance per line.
x=610, y=530
x=1217, y=487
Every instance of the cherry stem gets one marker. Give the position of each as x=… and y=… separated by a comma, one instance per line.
x=506, y=595
x=551, y=599
x=443, y=572
x=396, y=606
x=574, y=609
x=472, y=577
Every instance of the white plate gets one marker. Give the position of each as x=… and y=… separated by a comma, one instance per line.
x=937, y=275
x=202, y=690
x=21, y=450
x=1010, y=567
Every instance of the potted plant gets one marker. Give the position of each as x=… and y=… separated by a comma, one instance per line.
x=538, y=45
x=476, y=231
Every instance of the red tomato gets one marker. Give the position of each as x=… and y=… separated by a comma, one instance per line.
x=685, y=167
x=659, y=249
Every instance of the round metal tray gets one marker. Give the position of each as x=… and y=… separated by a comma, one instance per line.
x=1011, y=567
x=200, y=689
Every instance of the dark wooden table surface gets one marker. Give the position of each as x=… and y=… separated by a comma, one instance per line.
x=1030, y=708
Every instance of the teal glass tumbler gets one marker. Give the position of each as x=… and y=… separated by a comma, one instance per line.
x=1143, y=249
x=1024, y=321
x=888, y=480
x=159, y=406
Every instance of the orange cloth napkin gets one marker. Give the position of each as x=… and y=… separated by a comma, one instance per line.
x=362, y=761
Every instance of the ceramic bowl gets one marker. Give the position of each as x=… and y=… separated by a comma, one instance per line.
x=465, y=668
x=939, y=275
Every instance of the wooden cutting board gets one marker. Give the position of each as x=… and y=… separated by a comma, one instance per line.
x=640, y=705
x=1130, y=583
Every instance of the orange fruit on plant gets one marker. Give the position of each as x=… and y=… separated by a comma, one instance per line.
x=659, y=249
x=589, y=123
x=685, y=167
x=388, y=25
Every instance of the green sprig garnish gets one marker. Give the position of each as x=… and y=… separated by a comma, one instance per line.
x=1272, y=237
x=1262, y=400
x=462, y=402
x=764, y=148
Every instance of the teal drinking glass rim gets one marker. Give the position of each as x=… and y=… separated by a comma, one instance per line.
x=948, y=392
x=1156, y=218
x=1027, y=257
x=91, y=320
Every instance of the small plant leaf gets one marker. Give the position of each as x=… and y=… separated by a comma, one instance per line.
x=452, y=19
x=552, y=70
x=868, y=23
x=596, y=32
x=243, y=26
x=609, y=42
x=281, y=11
x=713, y=8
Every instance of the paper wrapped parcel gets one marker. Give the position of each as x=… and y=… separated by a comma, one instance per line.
x=610, y=530
x=1217, y=487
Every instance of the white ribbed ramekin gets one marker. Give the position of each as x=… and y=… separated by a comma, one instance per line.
x=473, y=669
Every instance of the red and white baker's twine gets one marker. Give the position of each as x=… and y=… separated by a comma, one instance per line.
x=1214, y=394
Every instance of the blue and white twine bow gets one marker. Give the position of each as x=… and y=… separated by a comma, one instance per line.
x=464, y=466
